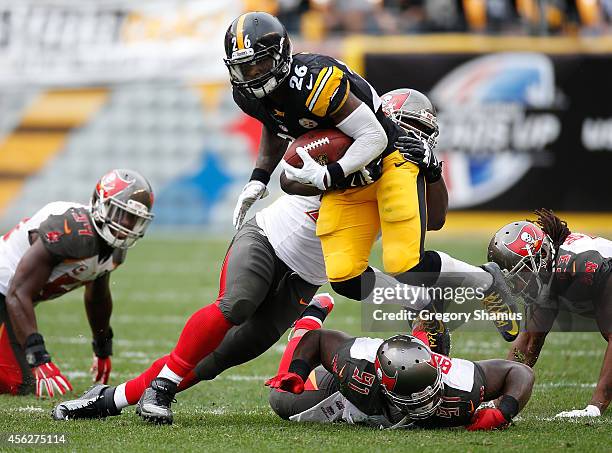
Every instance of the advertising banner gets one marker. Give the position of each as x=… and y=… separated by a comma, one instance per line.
x=518, y=130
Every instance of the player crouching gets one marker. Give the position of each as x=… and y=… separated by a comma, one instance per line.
x=60, y=248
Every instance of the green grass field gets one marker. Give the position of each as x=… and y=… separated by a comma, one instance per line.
x=164, y=281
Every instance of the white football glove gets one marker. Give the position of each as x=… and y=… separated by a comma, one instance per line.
x=253, y=191
x=365, y=173
x=311, y=174
x=589, y=411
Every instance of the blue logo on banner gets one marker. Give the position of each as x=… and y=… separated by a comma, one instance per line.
x=188, y=200
x=482, y=118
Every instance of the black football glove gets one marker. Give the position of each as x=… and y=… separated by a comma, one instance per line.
x=417, y=151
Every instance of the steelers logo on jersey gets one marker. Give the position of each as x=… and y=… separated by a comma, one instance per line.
x=308, y=123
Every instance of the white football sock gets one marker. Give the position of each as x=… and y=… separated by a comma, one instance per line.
x=472, y=276
x=169, y=374
x=119, y=398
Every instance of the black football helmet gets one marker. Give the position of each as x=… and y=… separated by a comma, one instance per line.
x=258, y=53
x=410, y=378
x=121, y=207
x=524, y=253
x=412, y=111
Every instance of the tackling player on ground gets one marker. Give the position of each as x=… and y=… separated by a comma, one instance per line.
x=373, y=188
x=62, y=247
x=279, y=250
x=556, y=270
x=393, y=383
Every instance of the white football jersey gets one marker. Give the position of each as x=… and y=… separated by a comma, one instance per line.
x=290, y=226
x=579, y=243
x=67, y=232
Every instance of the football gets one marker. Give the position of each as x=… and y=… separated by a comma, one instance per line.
x=324, y=145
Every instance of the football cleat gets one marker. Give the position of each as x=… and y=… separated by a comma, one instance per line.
x=324, y=302
x=155, y=402
x=96, y=402
x=499, y=302
x=437, y=335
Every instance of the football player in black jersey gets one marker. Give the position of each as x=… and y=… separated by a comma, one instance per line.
x=396, y=383
x=60, y=248
x=373, y=188
x=556, y=270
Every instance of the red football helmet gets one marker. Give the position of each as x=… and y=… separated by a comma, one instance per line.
x=410, y=378
x=524, y=252
x=121, y=207
x=412, y=111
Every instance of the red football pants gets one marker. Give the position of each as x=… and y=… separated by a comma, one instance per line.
x=11, y=377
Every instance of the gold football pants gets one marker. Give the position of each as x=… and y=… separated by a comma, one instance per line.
x=350, y=220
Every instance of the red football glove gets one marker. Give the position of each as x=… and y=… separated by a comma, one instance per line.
x=487, y=419
x=50, y=381
x=100, y=369
x=289, y=382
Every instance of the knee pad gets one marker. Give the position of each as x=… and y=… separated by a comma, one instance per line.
x=339, y=266
x=397, y=258
x=238, y=311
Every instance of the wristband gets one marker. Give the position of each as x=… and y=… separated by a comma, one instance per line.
x=433, y=173
x=301, y=368
x=261, y=175
x=103, y=348
x=35, y=351
x=336, y=174
x=509, y=407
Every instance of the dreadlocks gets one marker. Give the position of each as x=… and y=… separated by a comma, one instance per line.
x=553, y=226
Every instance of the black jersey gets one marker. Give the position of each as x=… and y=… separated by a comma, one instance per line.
x=316, y=88
x=353, y=367
x=582, y=268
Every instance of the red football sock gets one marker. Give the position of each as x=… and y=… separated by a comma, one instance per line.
x=136, y=387
x=203, y=332
x=307, y=323
x=201, y=335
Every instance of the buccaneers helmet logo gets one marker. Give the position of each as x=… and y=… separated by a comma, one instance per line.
x=388, y=381
x=393, y=102
x=529, y=241
x=112, y=184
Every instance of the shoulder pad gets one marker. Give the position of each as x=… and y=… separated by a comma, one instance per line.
x=70, y=235
x=329, y=91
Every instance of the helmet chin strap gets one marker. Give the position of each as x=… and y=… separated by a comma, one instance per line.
x=268, y=87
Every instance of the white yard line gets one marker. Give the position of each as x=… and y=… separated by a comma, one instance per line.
x=244, y=377
x=81, y=339
x=31, y=409
x=550, y=385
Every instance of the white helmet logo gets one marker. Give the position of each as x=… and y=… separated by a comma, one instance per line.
x=528, y=238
